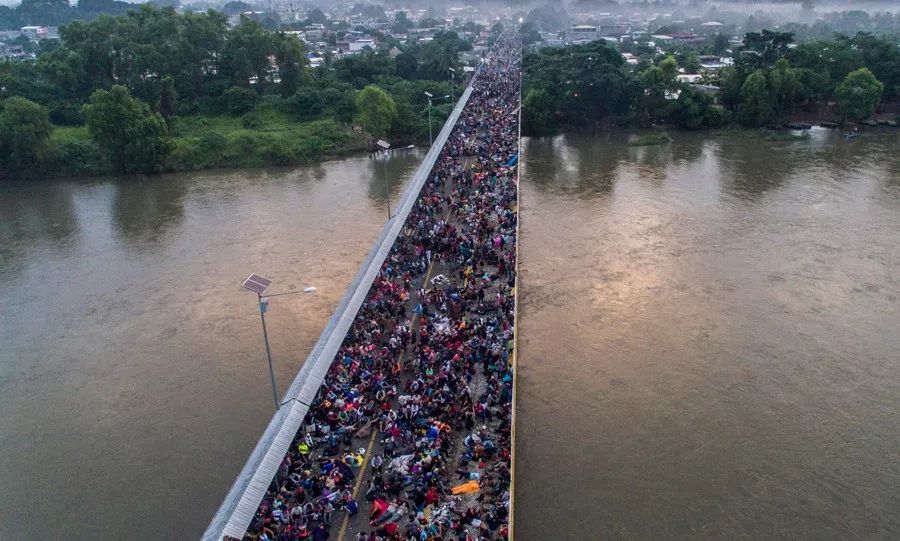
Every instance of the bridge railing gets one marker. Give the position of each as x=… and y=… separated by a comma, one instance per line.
x=240, y=504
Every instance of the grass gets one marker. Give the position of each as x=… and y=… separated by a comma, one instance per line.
x=259, y=138
x=263, y=137
x=651, y=139
x=63, y=134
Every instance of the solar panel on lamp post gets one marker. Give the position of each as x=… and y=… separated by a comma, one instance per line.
x=257, y=284
x=384, y=145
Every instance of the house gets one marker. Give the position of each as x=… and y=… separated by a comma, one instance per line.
x=713, y=62
x=359, y=44
x=14, y=52
x=686, y=37
x=582, y=33
x=616, y=30
x=689, y=78
x=35, y=33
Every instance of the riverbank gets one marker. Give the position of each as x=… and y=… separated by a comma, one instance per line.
x=663, y=135
x=215, y=142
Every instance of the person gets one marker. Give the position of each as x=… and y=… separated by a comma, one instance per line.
x=320, y=533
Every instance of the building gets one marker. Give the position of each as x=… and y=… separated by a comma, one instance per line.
x=711, y=27
x=35, y=33
x=630, y=59
x=713, y=62
x=359, y=44
x=582, y=33
x=686, y=37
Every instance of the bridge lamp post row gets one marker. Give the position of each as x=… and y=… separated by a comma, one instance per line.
x=257, y=284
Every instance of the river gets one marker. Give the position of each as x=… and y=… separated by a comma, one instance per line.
x=709, y=338
x=133, y=380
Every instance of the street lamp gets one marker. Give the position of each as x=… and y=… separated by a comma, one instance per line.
x=452, y=82
x=430, y=97
x=257, y=284
x=384, y=145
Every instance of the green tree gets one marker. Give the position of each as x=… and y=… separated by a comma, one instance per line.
x=720, y=43
x=24, y=131
x=858, y=94
x=247, y=51
x=377, y=110
x=785, y=85
x=315, y=16
x=657, y=81
x=763, y=49
x=236, y=7
x=730, y=82
x=402, y=24
x=756, y=108
x=291, y=60
x=238, y=101
x=692, y=63
x=168, y=98
x=307, y=103
x=690, y=110
x=538, y=112
x=129, y=133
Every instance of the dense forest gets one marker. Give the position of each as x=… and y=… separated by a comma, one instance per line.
x=154, y=90
x=58, y=12
x=772, y=78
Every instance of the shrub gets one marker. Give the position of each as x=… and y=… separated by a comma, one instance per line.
x=212, y=142
x=277, y=152
x=251, y=120
x=239, y=101
x=713, y=117
x=307, y=103
x=66, y=114
x=339, y=103
x=79, y=157
x=186, y=155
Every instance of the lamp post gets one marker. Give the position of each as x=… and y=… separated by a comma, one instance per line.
x=257, y=284
x=430, y=97
x=384, y=145
x=452, y=82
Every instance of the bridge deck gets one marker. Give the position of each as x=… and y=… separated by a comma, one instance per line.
x=240, y=505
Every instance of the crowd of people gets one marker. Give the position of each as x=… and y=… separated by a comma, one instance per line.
x=409, y=434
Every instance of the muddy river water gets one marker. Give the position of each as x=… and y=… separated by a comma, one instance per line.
x=710, y=336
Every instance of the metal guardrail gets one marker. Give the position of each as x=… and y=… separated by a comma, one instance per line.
x=240, y=504
x=515, y=351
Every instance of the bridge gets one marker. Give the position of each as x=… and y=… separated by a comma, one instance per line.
x=420, y=351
